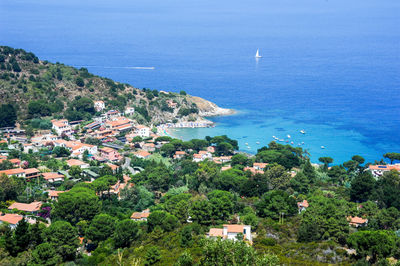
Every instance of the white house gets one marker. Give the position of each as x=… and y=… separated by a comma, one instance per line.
x=259, y=166
x=129, y=111
x=142, y=131
x=75, y=162
x=201, y=156
x=76, y=148
x=11, y=219
x=53, y=194
x=179, y=154
x=53, y=177
x=140, y=216
x=30, y=146
x=357, y=221
x=142, y=154
x=32, y=207
x=379, y=170
x=99, y=106
x=28, y=173
x=61, y=126
x=231, y=231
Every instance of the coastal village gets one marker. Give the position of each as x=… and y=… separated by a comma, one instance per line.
x=93, y=175
x=111, y=141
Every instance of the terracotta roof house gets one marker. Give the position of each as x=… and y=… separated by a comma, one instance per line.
x=110, y=154
x=53, y=194
x=140, y=216
x=150, y=147
x=357, y=221
x=179, y=154
x=32, y=173
x=18, y=172
x=117, y=187
x=142, y=131
x=61, y=126
x=224, y=168
x=11, y=219
x=53, y=177
x=211, y=149
x=379, y=170
x=33, y=207
x=231, y=231
x=113, y=167
x=216, y=232
x=142, y=154
x=222, y=159
x=119, y=124
x=75, y=162
x=302, y=205
x=253, y=170
x=259, y=166
x=15, y=162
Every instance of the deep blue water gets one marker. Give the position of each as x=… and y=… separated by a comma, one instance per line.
x=331, y=67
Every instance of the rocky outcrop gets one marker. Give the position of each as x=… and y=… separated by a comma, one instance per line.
x=207, y=108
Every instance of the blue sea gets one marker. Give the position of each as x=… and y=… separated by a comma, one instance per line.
x=329, y=67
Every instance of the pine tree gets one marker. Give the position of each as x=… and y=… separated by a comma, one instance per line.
x=22, y=235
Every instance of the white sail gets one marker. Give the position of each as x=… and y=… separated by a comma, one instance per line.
x=258, y=54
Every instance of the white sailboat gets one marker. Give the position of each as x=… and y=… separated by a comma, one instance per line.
x=258, y=54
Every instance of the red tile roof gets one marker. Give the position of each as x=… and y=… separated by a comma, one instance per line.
x=31, y=171
x=107, y=150
x=140, y=215
x=11, y=218
x=112, y=166
x=142, y=153
x=54, y=193
x=234, y=228
x=75, y=162
x=356, y=220
x=216, y=232
x=31, y=207
x=15, y=171
x=48, y=176
x=385, y=167
x=304, y=204
x=15, y=161
x=260, y=165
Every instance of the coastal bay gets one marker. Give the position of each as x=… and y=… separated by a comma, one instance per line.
x=341, y=87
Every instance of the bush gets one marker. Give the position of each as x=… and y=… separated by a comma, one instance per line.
x=268, y=241
x=80, y=82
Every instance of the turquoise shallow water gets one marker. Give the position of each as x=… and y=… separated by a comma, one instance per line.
x=329, y=67
x=253, y=134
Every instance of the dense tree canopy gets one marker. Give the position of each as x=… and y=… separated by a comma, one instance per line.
x=275, y=203
x=325, y=218
x=76, y=205
x=375, y=244
x=8, y=115
x=63, y=238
